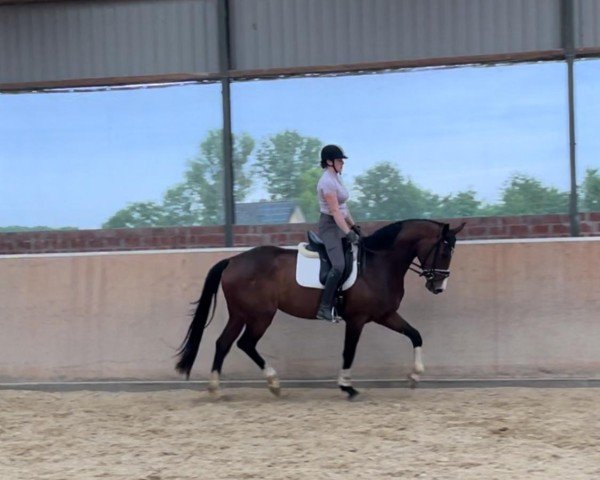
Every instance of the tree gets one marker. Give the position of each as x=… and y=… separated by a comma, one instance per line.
x=525, y=195
x=283, y=160
x=39, y=228
x=198, y=200
x=463, y=204
x=139, y=214
x=204, y=179
x=308, y=197
x=590, y=191
x=180, y=206
x=384, y=194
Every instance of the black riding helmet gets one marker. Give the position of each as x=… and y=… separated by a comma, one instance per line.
x=331, y=152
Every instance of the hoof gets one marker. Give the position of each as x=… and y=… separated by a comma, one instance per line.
x=215, y=393
x=351, y=391
x=274, y=386
x=413, y=380
x=275, y=391
x=214, y=390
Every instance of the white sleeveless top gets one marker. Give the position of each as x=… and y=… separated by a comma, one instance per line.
x=330, y=182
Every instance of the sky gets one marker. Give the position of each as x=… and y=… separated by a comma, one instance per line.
x=75, y=158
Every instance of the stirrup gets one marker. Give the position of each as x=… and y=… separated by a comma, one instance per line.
x=333, y=319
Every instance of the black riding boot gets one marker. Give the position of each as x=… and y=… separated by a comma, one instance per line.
x=326, y=308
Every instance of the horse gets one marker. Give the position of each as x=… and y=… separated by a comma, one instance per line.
x=258, y=282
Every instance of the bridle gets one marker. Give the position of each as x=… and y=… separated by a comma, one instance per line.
x=432, y=272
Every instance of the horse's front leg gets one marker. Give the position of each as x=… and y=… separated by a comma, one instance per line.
x=398, y=324
x=353, y=331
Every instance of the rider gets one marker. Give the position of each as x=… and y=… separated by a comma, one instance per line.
x=335, y=223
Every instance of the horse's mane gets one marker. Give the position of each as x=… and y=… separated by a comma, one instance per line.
x=384, y=237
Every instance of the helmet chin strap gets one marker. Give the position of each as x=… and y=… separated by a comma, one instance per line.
x=334, y=169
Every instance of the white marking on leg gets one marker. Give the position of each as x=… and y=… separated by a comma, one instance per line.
x=345, y=378
x=269, y=371
x=272, y=380
x=418, y=366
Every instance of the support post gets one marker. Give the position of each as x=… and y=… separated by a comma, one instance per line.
x=228, y=171
x=568, y=42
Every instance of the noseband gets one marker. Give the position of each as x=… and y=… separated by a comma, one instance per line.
x=432, y=272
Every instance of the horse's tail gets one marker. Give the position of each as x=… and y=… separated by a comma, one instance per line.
x=189, y=347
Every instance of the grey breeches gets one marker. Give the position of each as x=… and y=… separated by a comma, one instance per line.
x=332, y=236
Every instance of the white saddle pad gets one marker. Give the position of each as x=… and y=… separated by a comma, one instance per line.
x=308, y=264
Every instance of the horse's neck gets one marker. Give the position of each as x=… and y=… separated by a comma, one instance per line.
x=404, y=253
x=394, y=263
x=408, y=240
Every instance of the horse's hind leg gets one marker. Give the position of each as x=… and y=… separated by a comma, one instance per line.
x=247, y=343
x=353, y=331
x=398, y=324
x=224, y=342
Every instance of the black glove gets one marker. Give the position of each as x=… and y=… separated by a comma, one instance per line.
x=352, y=237
x=357, y=230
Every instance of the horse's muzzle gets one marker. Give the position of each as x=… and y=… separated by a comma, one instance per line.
x=436, y=286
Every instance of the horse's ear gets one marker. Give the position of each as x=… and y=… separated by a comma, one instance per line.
x=459, y=228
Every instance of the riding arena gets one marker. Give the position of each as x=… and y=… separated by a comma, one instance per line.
x=165, y=312
x=497, y=398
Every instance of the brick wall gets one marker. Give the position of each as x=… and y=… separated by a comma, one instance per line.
x=525, y=226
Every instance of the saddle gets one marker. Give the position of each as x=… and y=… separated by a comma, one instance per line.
x=315, y=244
x=313, y=265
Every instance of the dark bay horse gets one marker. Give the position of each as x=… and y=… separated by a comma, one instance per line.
x=260, y=281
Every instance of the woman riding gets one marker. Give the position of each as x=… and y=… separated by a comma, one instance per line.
x=335, y=223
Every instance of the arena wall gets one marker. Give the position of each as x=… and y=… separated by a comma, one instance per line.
x=513, y=309
x=165, y=238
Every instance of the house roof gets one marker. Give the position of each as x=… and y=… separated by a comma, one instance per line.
x=261, y=213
